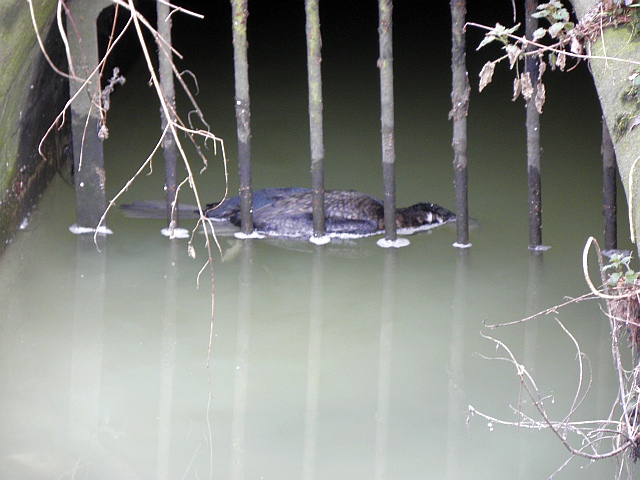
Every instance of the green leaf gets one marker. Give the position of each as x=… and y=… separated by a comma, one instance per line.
x=500, y=33
x=555, y=29
x=561, y=15
x=613, y=279
x=631, y=276
x=486, y=40
x=538, y=34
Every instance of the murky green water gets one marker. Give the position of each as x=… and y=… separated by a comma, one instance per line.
x=346, y=362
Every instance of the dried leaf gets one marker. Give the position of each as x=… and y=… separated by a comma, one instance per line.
x=486, y=74
x=540, y=97
x=526, y=86
x=576, y=46
x=542, y=67
x=513, y=52
x=516, y=89
x=561, y=61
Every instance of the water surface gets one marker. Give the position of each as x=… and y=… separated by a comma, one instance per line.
x=347, y=361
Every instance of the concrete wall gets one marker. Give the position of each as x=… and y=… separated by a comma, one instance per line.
x=31, y=95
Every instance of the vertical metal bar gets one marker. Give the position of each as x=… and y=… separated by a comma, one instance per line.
x=239, y=14
x=314, y=58
x=459, y=110
x=169, y=148
x=385, y=63
x=89, y=174
x=533, y=137
x=609, y=188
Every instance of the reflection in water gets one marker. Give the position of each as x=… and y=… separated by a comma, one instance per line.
x=314, y=359
x=86, y=353
x=241, y=361
x=456, y=396
x=167, y=360
x=534, y=282
x=384, y=362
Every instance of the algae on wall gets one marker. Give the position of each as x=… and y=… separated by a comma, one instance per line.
x=620, y=45
x=31, y=95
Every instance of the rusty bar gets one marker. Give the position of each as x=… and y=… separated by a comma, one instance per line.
x=169, y=147
x=459, y=110
x=87, y=127
x=533, y=137
x=385, y=63
x=314, y=58
x=239, y=14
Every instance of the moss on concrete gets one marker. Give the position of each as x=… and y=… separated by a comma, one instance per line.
x=612, y=79
x=31, y=95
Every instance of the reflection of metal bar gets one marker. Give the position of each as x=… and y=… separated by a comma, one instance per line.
x=531, y=344
x=455, y=390
x=88, y=342
x=86, y=125
x=239, y=14
x=167, y=359
x=238, y=456
x=384, y=362
x=314, y=361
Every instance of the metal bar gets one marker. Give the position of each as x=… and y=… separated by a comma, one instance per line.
x=459, y=110
x=385, y=63
x=86, y=122
x=314, y=58
x=533, y=138
x=239, y=14
x=169, y=147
